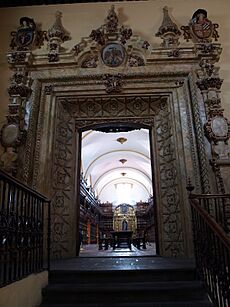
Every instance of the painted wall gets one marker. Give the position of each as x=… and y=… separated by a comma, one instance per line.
x=25, y=292
x=143, y=17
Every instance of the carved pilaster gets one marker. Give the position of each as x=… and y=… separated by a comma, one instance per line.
x=27, y=37
x=217, y=127
x=203, y=159
x=13, y=132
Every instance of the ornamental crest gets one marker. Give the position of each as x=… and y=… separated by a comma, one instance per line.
x=26, y=35
x=200, y=28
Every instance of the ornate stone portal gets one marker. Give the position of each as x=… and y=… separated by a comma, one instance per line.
x=115, y=77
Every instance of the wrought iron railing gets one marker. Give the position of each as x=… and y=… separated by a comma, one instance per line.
x=212, y=245
x=217, y=206
x=24, y=230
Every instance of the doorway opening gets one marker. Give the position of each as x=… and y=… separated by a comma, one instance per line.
x=117, y=203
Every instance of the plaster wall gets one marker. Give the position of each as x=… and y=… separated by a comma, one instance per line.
x=25, y=292
x=144, y=17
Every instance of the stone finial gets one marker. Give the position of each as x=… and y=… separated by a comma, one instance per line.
x=56, y=35
x=112, y=21
x=111, y=30
x=168, y=31
x=57, y=30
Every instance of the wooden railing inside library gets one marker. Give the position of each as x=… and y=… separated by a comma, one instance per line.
x=210, y=217
x=24, y=230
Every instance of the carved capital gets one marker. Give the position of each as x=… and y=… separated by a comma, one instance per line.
x=19, y=90
x=209, y=83
x=19, y=57
x=212, y=50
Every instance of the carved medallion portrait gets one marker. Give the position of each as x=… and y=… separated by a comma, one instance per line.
x=219, y=126
x=113, y=54
x=9, y=134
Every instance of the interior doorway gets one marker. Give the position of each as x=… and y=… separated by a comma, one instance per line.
x=116, y=192
x=153, y=112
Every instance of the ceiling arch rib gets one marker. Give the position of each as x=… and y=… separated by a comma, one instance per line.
x=123, y=153
x=122, y=169
x=122, y=180
x=95, y=144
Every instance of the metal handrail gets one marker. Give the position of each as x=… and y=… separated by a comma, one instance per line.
x=212, y=223
x=20, y=184
x=24, y=228
x=212, y=250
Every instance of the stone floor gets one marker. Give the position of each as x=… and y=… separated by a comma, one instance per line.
x=122, y=263
x=91, y=250
x=91, y=259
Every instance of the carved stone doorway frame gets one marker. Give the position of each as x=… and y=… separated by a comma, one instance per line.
x=166, y=103
x=155, y=87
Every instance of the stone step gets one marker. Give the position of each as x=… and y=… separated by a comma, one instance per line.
x=124, y=292
x=83, y=277
x=197, y=303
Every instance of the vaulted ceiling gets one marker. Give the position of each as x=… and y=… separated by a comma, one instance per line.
x=118, y=165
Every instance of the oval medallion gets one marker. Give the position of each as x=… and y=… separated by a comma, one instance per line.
x=113, y=54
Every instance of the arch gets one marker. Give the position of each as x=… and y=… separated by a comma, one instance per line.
x=127, y=179
x=88, y=170
x=122, y=168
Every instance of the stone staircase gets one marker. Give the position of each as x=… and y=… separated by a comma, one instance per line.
x=142, y=287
